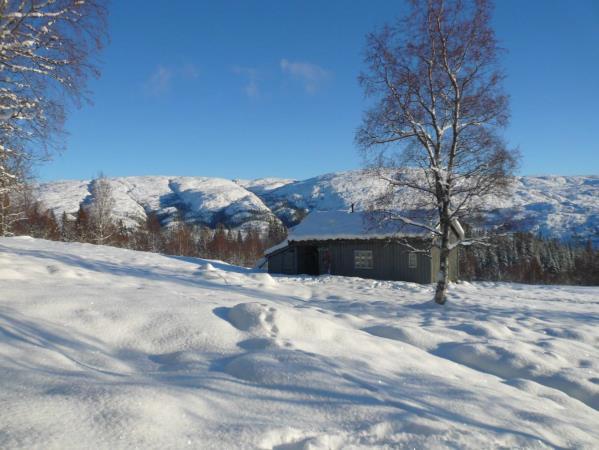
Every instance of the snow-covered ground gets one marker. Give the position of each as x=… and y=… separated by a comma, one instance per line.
x=109, y=348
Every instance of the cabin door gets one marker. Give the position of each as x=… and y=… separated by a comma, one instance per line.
x=309, y=260
x=324, y=260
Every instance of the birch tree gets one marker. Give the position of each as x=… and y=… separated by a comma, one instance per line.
x=47, y=50
x=100, y=210
x=432, y=132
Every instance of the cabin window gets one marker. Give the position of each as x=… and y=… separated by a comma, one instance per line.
x=412, y=260
x=363, y=259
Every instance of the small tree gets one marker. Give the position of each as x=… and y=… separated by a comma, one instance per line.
x=10, y=213
x=101, y=209
x=154, y=231
x=82, y=226
x=15, y=191
x=432, y=130
x=204, y=240
x=67, y=228
x=218, y=247
x=253, y=245
x=180, y=240
x=38, y=222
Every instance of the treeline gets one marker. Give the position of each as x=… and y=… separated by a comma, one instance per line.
x=526, y=258
x=239, y=247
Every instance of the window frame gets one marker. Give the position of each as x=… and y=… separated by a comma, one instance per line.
x=362, y=258
x=412, y=260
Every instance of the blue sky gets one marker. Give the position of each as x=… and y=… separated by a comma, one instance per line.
x=247, y=89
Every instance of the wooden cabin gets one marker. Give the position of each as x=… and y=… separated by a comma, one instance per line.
x=342, y=243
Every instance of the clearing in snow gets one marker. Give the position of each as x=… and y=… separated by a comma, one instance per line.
x=109, y=348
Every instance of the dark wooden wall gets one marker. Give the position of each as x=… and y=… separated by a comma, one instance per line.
x=284, y=261
x=390, y=260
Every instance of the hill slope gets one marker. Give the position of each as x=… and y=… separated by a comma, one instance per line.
x=193, y=199
x=554, y=206
x=110, y=348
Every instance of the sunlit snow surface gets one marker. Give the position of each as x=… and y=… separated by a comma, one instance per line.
x=109, y=348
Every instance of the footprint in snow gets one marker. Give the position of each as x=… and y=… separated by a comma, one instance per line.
x=52, y=269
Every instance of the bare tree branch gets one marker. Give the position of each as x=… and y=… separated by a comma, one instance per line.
x=47, y=50
x=433, y=130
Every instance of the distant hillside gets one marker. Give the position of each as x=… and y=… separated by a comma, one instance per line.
x=198, y=200
x=554, y=206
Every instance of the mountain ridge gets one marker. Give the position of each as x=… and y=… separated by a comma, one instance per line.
x=565, y=207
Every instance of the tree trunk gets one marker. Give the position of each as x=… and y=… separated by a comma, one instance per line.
x=443, y=275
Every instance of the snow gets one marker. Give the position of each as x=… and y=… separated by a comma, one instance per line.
x=198, y=199
x=261, y=186
x=206, y=197
x=333, y=191
x=347, y=225
x=323, y=225
x=273, y=249
x=555, y=206
x=64, y=196
x=109, y=348
x=457, y=226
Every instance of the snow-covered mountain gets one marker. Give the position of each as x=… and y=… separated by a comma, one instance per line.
x=192, y=199
x=557, y=206
x=554, y=206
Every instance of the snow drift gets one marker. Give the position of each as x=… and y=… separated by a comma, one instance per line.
x=108, y=348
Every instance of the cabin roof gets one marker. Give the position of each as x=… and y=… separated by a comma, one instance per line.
x=330, y=225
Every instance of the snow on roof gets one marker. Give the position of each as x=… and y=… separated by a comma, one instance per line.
x=274, y=248
x=325, y=225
